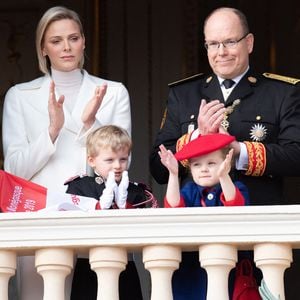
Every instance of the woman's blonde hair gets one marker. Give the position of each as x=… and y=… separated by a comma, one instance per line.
x=51, y=15
x=110, y=136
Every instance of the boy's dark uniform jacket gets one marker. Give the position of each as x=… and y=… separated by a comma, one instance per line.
x=87, y=186
x=268, y=113
x=84, y=284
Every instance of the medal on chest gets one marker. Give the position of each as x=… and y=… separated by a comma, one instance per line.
x=258, y=132
x=229, y=110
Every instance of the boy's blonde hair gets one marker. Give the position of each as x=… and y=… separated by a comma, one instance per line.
x=110, y=136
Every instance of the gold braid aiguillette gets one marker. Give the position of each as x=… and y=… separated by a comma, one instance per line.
x=225, y=123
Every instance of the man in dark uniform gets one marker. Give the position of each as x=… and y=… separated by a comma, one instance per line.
x=261, y=110
x=265, y=112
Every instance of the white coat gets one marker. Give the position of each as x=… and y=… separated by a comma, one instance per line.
x=28, y=150
x=30, y=153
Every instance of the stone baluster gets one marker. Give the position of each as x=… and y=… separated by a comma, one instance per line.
x=8, y=264
x=108, y=262
x=54, y=264
x=273, y=259
x=217, y=260
x=161, y=261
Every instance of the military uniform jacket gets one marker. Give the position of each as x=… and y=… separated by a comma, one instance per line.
x=89, y=187
x=270, y=105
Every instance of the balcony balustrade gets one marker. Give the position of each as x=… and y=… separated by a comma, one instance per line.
x=55, y=238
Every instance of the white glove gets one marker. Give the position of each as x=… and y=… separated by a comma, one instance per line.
x=107, y=196
x=121, y=195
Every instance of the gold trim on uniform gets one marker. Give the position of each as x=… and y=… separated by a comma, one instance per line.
x=258, y=132
x=163, y=120
x=181, y=142
x=252, y=79
x=256, y=158
x=282, y=78
x=185, y=79
x=208, y=80
x=229, y=109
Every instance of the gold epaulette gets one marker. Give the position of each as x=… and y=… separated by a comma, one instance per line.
x=186, y=79
x=282, y=78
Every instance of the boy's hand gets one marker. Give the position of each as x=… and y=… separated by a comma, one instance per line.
x=107, y=196
x=168, y=159
x=225, y=167
x=122, y=192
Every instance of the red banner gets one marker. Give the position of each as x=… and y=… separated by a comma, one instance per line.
x=20, y=195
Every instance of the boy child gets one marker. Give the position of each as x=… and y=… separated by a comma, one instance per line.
x=209, y=160
x=108, y=150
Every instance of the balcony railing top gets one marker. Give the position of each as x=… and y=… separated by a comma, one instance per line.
x=187, y=227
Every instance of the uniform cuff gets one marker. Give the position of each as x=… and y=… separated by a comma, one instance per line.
x=256, y=158
x=181, y=142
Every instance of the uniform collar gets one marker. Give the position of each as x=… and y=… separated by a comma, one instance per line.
x=236, y=79
x=244, y=87
x=212, y=89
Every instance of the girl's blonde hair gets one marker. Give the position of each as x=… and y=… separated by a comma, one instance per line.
x=53, y=14
x=110, y=136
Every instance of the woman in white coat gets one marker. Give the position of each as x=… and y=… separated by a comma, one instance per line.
x=45, y=121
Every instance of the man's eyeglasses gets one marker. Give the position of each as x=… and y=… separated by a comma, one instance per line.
x=230, y=44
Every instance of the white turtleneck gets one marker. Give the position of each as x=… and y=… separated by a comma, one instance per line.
x=68, y=84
